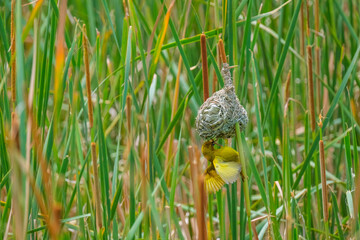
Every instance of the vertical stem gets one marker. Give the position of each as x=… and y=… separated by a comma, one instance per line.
x=307, y=180
x=195, y=186
x=215, y=76
x=96, y=186
x=128, y=114
x=12, y=48
x=87, y=75
x=310, y=71
x=287, y=163
x=317, y=55
x=287, y=86
x=202, y=206
x=286, y=177
x=302, y=32
x=243, y=169
x=91, y=123
x=317, y=19
x=323, y=181
x=204, y=66
x=318, y=78
x=311, y=88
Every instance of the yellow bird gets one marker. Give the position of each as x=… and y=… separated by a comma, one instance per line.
x=224, y=166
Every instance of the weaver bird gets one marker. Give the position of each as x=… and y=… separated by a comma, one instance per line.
x=224, y=166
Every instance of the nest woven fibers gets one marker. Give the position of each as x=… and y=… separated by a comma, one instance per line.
x=218, y=115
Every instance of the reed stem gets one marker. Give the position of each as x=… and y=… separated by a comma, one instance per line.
x=287, y=87
x=96, y=186
x=202, y=207
x=311, y=88
x=243, y=170
x=317, y=55
x=12, y=49
x=204, y=66
x=323, y=181
x=87, y=76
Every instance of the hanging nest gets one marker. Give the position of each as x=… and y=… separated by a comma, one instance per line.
x=218, y=115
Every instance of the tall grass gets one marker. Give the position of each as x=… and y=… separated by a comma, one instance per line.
x=98, y=106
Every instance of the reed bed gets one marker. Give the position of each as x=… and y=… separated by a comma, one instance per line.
x=98, y=101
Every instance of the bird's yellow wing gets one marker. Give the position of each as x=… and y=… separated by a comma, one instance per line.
x=213, y=181
x=228, y=171
x=228, y=154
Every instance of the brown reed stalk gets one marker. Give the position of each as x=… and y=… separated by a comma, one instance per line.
x=15, y=129
x=215, y=76
x=311, y=88
x=87, y=76
x=317, y=55
x=193, y=168
x=194, y=172
x=323, y=173
x=201, y=209
x=12, y=49
x=145, y=152
x=222, y=51
x=317, y=18
x=204, y=66
x=128, y=113
x=287, y=86
x=354, y=109
x=307, y=20
x=287, y=93
x=302, y=32
x=184, y=225
x=318, y=78
x=96, y=186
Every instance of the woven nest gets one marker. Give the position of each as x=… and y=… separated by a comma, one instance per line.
x=218, y=115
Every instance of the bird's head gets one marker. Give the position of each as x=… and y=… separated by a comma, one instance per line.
x=207, y=149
